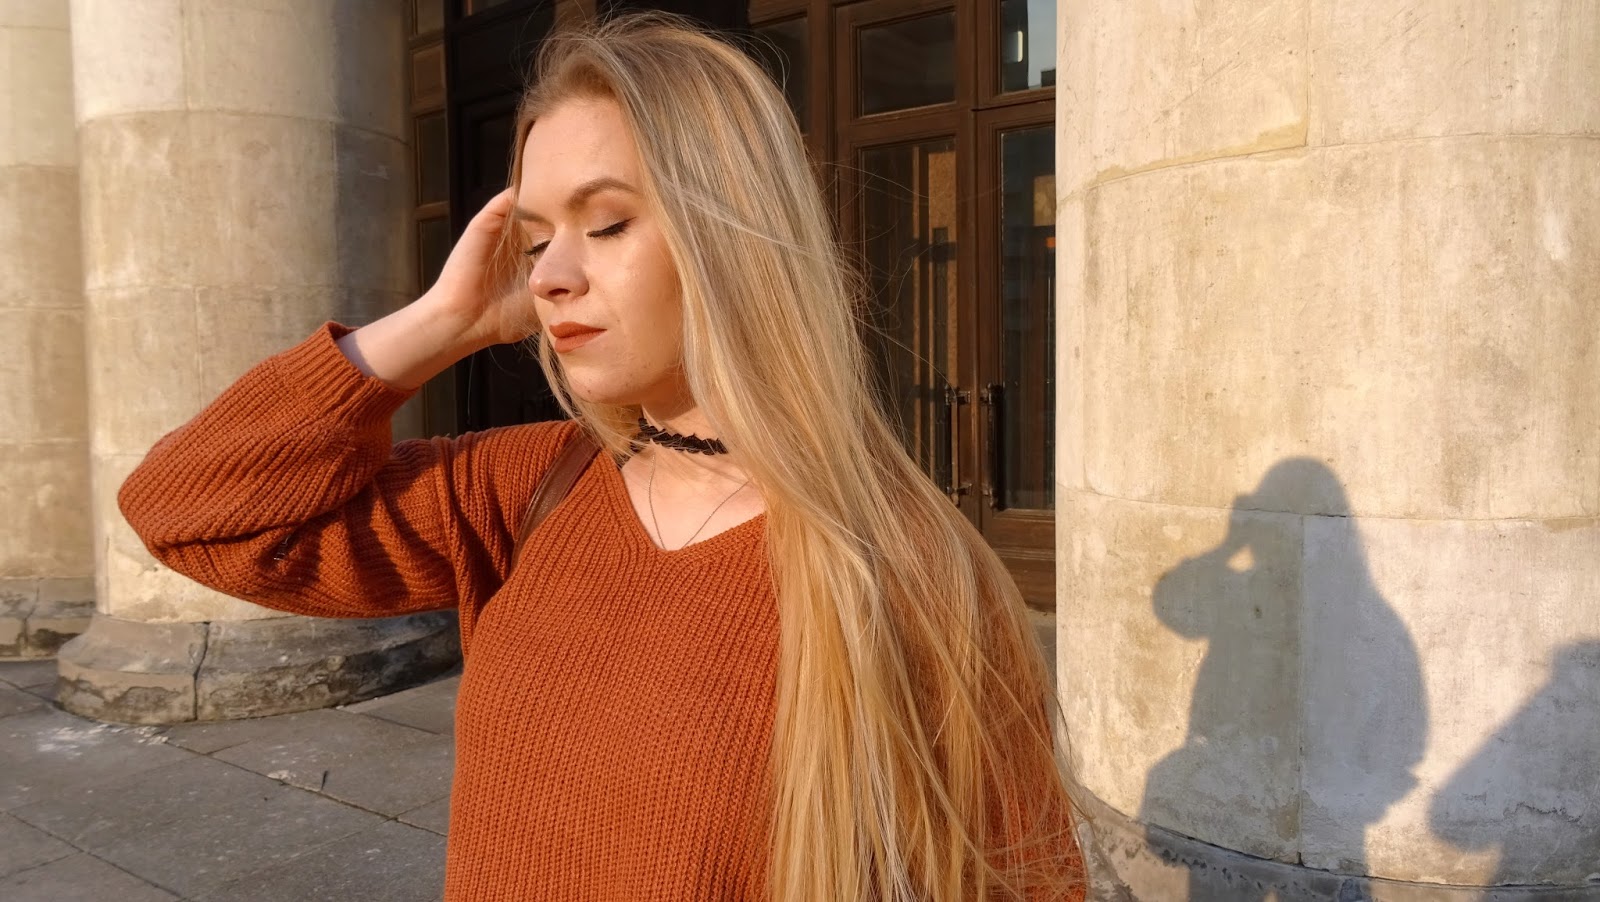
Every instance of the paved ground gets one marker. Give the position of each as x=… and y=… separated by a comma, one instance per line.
x=347, y=803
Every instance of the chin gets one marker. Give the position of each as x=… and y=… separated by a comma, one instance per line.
x=612, y=392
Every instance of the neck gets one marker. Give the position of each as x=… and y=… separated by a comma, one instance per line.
x=695, y=472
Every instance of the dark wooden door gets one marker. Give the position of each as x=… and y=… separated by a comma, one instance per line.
x=488, y=49
x=943, y=114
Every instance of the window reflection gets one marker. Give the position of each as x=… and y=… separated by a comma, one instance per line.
x=1027, y=44
x=907, y=64
x=433, y=159
x=908, y=228
x=783, y=48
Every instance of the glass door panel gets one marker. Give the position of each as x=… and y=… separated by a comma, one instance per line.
x=908, y=231
x=1023, y=399
x=906, y=64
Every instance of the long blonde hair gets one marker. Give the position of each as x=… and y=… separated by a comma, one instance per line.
x=911, y=744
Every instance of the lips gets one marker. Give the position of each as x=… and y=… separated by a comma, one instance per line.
x=565, y=337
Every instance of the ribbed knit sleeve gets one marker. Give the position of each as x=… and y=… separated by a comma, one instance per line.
x=288, y=491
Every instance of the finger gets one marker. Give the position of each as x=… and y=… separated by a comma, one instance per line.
x=494, y=213
x=501, y=202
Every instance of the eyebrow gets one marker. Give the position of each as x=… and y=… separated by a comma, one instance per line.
x=580, y=196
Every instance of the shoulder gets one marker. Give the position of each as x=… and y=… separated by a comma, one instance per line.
x=545, y=438
x=504, y=463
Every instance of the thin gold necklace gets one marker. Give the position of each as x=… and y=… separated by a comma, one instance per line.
x=649, y=495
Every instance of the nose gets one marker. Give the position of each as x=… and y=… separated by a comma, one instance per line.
x=558, y=271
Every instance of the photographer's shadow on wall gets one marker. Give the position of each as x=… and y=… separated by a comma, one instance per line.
x=1308, y=714
x=1531, y=792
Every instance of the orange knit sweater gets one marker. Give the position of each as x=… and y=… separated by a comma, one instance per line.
x=616, y=704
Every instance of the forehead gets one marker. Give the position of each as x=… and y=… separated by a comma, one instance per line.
x=577, y=142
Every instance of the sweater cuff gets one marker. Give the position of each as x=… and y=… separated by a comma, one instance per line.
x=328, y=383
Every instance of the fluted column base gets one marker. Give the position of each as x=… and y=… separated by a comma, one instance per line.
x=128, y=671
x=1129, y=861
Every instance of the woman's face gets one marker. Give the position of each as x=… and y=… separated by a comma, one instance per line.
x=599, y=261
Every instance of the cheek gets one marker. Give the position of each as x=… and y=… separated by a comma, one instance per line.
x=652, y=304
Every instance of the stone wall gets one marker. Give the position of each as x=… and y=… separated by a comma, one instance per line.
x=1329, y=453
x=46, y=593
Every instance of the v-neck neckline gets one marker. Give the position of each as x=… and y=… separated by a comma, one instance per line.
x=625, y=511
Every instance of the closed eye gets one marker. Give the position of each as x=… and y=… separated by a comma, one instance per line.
x=610, y=231
x=616, y=228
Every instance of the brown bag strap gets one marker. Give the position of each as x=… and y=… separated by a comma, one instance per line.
x=557, y=482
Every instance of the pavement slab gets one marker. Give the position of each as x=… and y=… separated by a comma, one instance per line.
x=23, y=847
x=347, y=803
x=431, y=706
x=195, y=825
x=28, y=674
x=390, y=862
x=46, y=691
x=78, y=877
x=373, y=764
x=49, y=753
x=16, y=701
x=211, y=736
x=433, y=816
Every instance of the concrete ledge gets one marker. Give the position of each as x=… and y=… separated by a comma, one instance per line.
x=1133, y=862
x=258, y=667
x=38, y=616
x=127, y=671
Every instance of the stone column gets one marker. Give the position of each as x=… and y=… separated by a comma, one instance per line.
x=46, y=593
x=245, y=176
x=1330, y=446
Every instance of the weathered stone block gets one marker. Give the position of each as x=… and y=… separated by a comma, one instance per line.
x=127, y=671
x=127, y=57
x=59, y=616
x=44, y=493
x=33, y=14
x=374, y=187
x=1072, y=381
x=1440, y=358
x=36, y=98
x=1130, y=862
x=1181, y=627
x=39, y=238
x=13, y=635
x=1388, y=69
x=1505, y=618
x=368, y=70
x=42, y=368
x=158, y=188
x=274, y=319
x=270, y=57
x=139, y=672
x=38, y=616
x=1146, y=85
x=260, y=667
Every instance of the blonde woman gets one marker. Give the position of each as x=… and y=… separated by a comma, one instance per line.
x=752, y=653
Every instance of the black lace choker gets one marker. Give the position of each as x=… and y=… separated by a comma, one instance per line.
x=693, y=444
